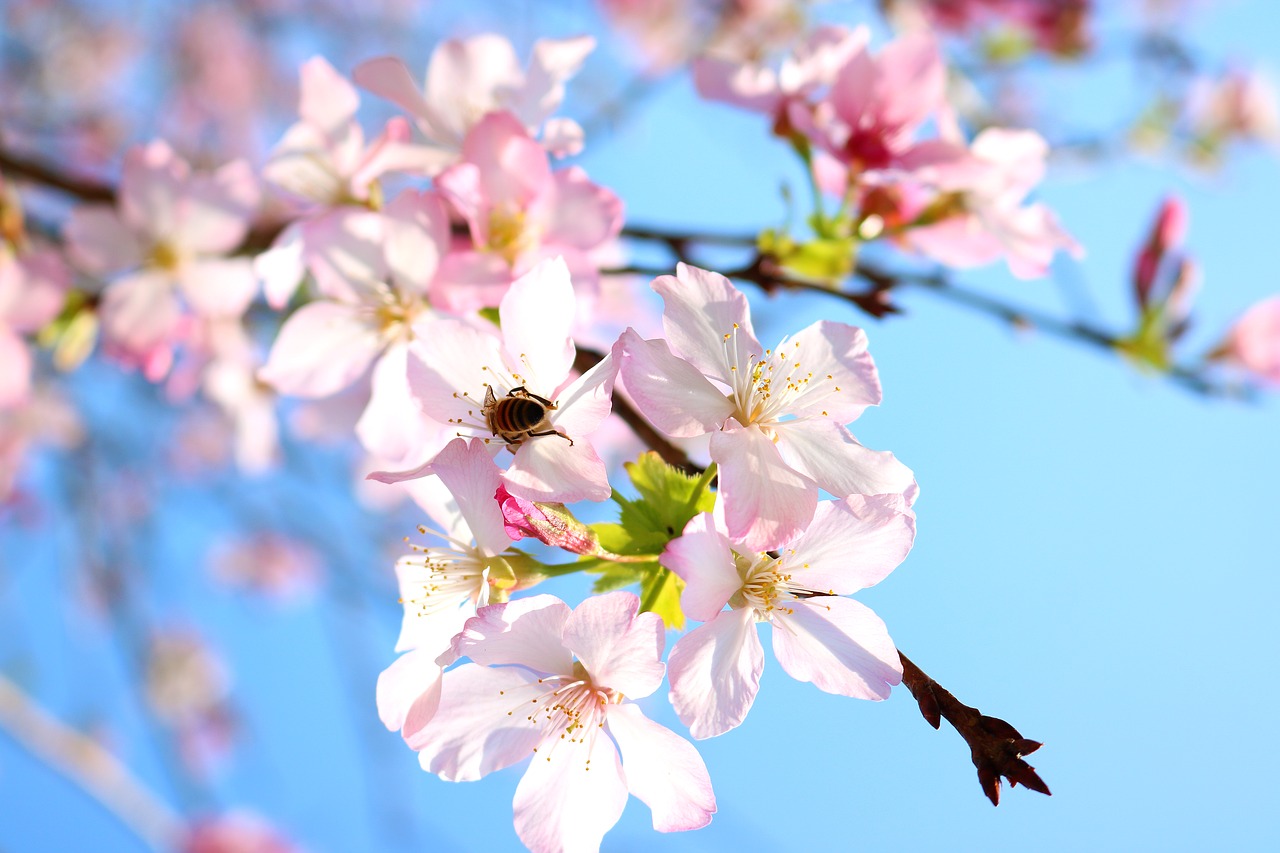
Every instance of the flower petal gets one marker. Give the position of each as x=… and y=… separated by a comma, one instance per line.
x=325, y=99
x=549, y=468
x=852, y=544
x=582, y=214
x=714, y=672
x=707, y=321
x=449, y=365
x=140, y=311
x=703, y=559
x=587, y=401
x=388, y=77
x=840, y=645
x=827, y=453
x=536, y=316
x=571, y=795
x=281, y=267
x=842, y=377
x=669, y=391
x=321, y=349
x=15, y=369
x=620, y=649
x=417, y=237
x=480, y=725
x=408, y=691
x=662, y=769
x=392, y=426
x=467, y=469
x=527, y=632
x=99, y=242
x=767, y=502
x=219, y=287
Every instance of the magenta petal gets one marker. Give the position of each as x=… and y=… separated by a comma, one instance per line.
x=472, y=734
x=526, y=632
x=663, y=769
x=571, y=795
x=620, y=649
x=669, y=391
x=703, y=558
x=838, y=644
x=767, y=502
x=715, y=673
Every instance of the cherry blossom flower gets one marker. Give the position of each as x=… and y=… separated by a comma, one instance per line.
x=167, y=240
x=979, y=215
x=441, y=586
x=324, y=160
x=835, y=642
x=553, y=683
x=1254, y=341
x=373, y=274
x=1237, y=104
x=236, y=832
x=455, y=365
x=32, y=288
x=751, y=86
x=467, y=79
x=777, y=435
x=519, y=212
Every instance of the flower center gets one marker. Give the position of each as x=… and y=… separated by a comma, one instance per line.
x=570, y=711
x=452, y=575
x=509, y=234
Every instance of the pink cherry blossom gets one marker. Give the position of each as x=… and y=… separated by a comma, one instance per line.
x=1254, y=341
x=835, y=642
x=373, y=272
x=454, y=366
x=519, y=212
x=554, y=683
x=869, y=118
x=1167, y=233
x=236, y=832
x=166, y=245
x=324, y=160
x=32, y=288
x=980, y=214
x=1239, y=104
x=468, y=79
x=230, y=380
x=811, y=66
x=778, y=433
x=441, y=585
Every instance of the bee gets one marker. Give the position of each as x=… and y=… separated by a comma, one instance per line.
x=519, y=415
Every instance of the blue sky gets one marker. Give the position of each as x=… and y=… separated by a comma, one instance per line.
x=1096, y=563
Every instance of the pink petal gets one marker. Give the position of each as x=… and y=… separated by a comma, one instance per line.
x=581, y=214
x=571, y=795
x=281, y=267
x=472, y=734
x=467, y=469
x=707, y=321
x=744, y=85
x=344, y=251
x=562, y=137
x=767, y=502
x=462, y=185
x=670, y=392
x=15, y=369
x=99, y=242
x=212, y=216
x=838, y=644
x=321, y=349
x=662, y=769
x=620, y=649
x=852, y=544
x=470, y=280
x=325, y=99
x=553, y=62
x=536, y=316
x=463, y=79
x=549, y=468
x=387, y=77
x=912, y=80
x=831, y=457
x=151, y=182
x=703, y=559
x=513, y=168
x=715, y=673
x=450, y=363
x=416, y=229
x=219, y=287
x=584, y=404
x=392, y=426
x=140, y=311
x=408, y=692
x=526, y=632
x=34, y=288
x=842, y=377
x=1254, y=340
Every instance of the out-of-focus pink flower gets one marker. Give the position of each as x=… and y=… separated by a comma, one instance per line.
x=324, y=160
x=979, y=214
x=441, y=586
x=1254, y=341
x=1238, y=104
x=812, y=66
x=373, y=271
x=778, y=434
x=835, y=642
x=556, y=684
x=32, y=288
x=1167, y=233
x=166, y=244
x=468, y=79
x=268, y=563
x=236, y=832
x=869, y=118
x=1060, y=27
x=519, y=212
x=454, y=366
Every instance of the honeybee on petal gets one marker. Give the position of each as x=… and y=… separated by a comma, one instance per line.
x=519, y=415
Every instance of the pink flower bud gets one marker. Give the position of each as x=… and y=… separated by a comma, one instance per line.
x=550, y=523
x=1167, y=233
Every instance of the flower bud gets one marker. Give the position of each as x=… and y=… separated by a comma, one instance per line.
x=550, y=523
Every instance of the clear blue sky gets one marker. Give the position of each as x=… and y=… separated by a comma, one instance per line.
x=1096, y=563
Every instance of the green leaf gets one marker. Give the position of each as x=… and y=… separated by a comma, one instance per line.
x=619, y=575
x=669, y=499
x=660, y=593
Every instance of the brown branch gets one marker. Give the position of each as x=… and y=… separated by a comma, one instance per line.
x=996, y=747
x=24, y=168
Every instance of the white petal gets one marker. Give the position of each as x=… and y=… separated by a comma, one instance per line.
x=219, y=287
x=586, y=402
x=827, y=453
x=842, y=379
x=838, y=644
x=536, y=316
x=468, y=471
x=410, y=687
x=527, y=632
x=620, y=649
x=852, y=543
x=321, y=349
x=715, y=673
x=571, y=795
x=703, y=559
x=669, y=391
x=767, y=502
x=549, y=468
x=662, y=769
x=450, y=363
x=707, y=321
